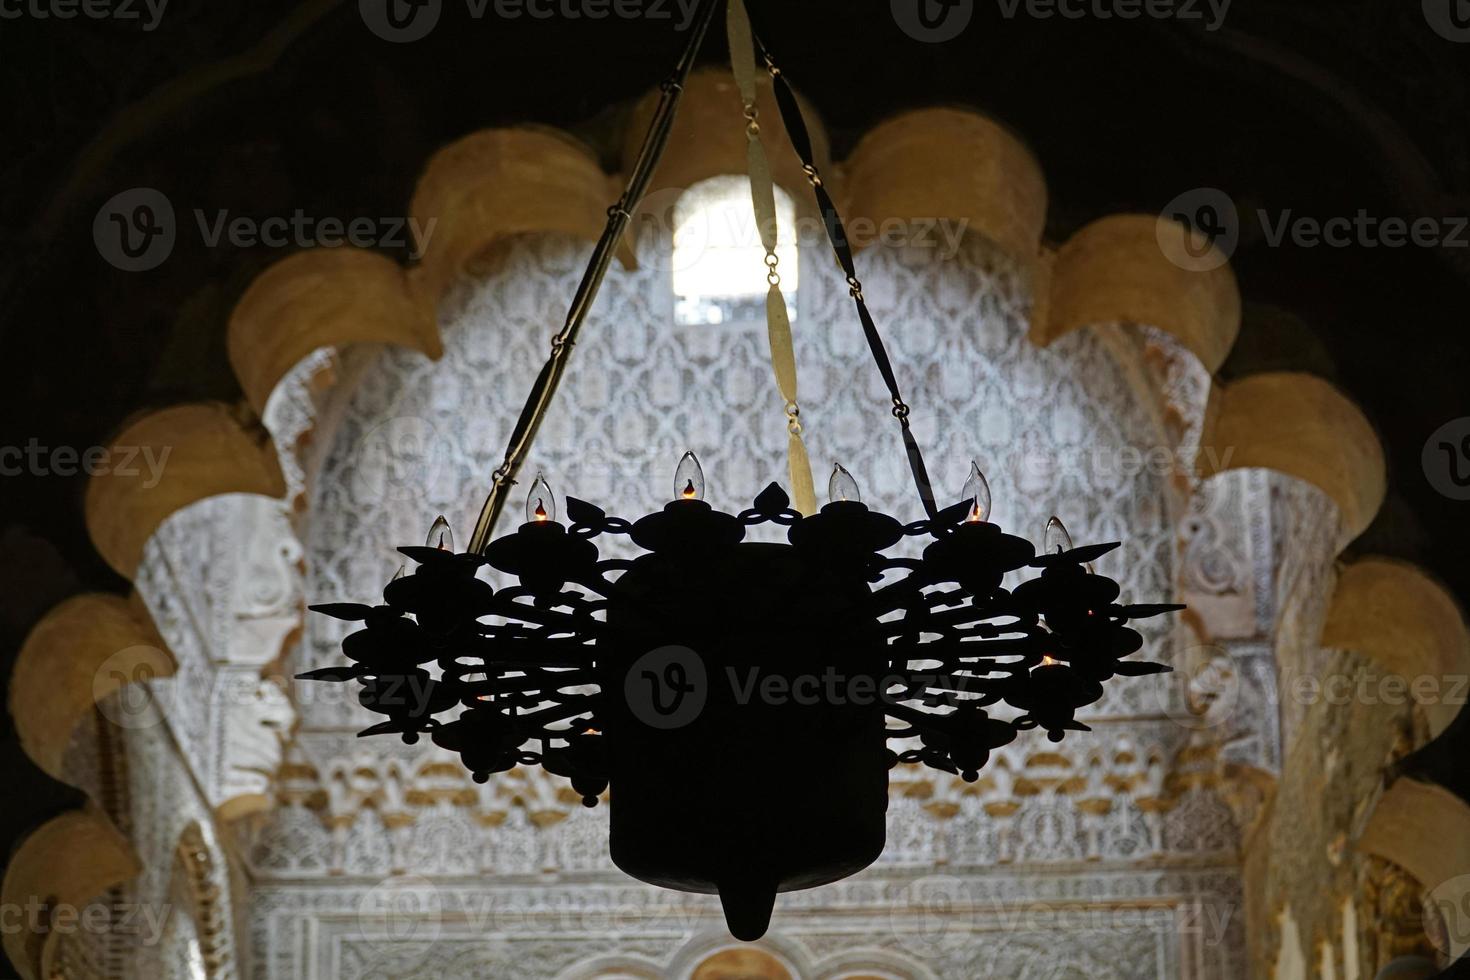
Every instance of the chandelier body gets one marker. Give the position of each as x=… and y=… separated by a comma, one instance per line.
x=738, y=698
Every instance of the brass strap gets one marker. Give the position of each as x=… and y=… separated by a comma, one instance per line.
x=763, y=199
x=796, y=129
x=618, y=217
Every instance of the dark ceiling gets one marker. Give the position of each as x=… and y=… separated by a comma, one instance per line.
x=1323, y=109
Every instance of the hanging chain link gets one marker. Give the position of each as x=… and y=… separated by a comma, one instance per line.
x=618, y=217
x=796, y=128
x=763, y=200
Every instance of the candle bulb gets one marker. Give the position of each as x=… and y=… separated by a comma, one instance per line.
x=1056, y=539
x=842, y=487
x=540, y=503
x=689, y=479
x=440, y=536
x=977, y=491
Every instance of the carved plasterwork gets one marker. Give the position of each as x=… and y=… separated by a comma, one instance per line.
x=370, y=442
x=1150, y=792
x=408, y=438
x=222, y=579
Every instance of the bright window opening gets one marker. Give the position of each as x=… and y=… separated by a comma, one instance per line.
x=719, y=263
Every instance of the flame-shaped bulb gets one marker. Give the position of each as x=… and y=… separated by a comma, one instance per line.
x=689, y=479
x=440, y=536
x=842, y=487
x=540, y=504
x=977, y=491
x=1057, y=540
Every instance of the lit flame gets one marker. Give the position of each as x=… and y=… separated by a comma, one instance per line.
x=1047, y=660
x=977, y=488
x=440, y=535
x=540, y=504
x=689, y=478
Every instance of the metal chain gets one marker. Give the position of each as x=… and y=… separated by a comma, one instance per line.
x=618, y=217
x=796, y=128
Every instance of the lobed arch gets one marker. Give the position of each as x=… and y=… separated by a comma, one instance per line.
x=497, y=185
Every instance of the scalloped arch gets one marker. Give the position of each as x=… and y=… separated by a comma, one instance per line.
x=1300, y=425
x=67, y=861
x=1425, y=829
x=1117, y=270
x=950, y=163
x=59, y=673
x=323, y=297
x=928, y=163
x=200, y=450
x=708, y=138
x=499, y=182
x=1395, y=613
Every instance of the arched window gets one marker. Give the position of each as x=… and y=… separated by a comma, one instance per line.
x=718, y=260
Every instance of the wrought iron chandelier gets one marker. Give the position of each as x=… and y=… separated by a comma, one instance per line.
x=737, y=698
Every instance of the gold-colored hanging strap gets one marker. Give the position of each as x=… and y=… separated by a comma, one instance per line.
x=801, y=139
x=763, y=197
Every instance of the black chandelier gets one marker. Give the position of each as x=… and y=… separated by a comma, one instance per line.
x=736, y=698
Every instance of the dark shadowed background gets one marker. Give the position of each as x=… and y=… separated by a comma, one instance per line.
x=1322, y=109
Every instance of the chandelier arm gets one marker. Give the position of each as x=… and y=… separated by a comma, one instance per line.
x=618, y=217
x=796, y=128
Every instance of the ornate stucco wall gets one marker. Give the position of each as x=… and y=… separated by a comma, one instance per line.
x=225, y=786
